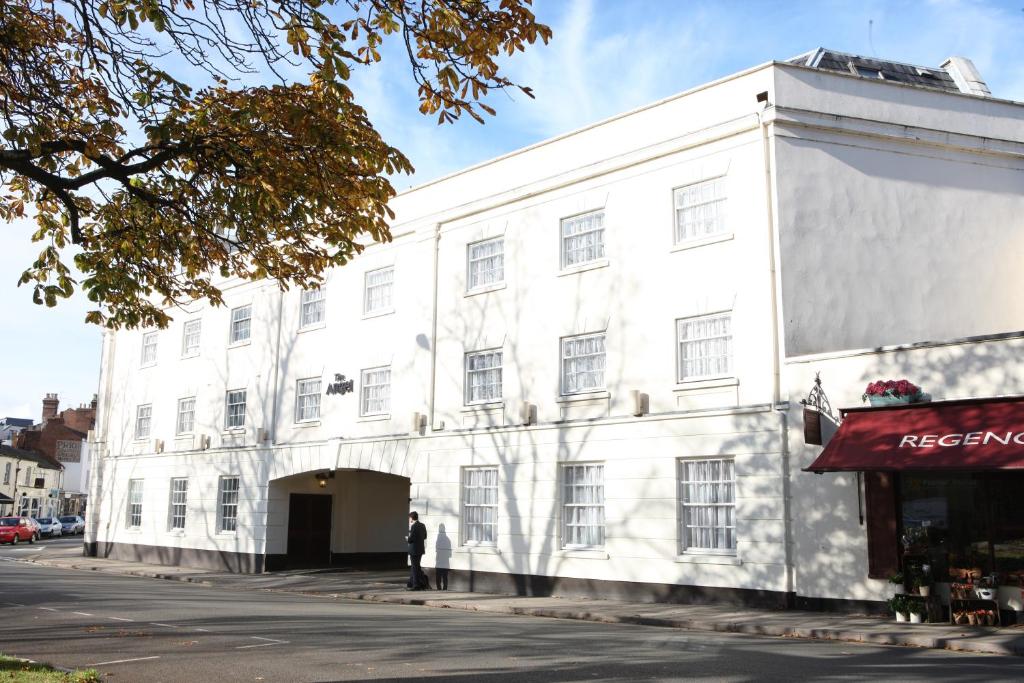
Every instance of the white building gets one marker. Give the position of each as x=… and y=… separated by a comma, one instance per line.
x=582, y=362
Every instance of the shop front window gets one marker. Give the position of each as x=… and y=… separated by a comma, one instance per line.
x=964, y=522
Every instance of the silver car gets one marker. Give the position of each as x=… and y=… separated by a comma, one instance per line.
x=72, y=524
x=49, y=526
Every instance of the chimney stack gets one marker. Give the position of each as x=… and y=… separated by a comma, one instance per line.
x=966, y=76
x=50, y=404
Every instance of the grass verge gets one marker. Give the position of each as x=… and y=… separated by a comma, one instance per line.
x=13, y=670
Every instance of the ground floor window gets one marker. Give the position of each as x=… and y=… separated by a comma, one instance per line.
x=179, y=497
x=133, y=516
x=480, y=505
x=583, y=506
x=228, y=503
x=707, y=499
x=964, y=521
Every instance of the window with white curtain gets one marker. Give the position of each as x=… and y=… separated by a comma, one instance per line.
x=375, y=391
x=234, y=414
x=583, y=506
x=582, y=239
x=483, y=376
x=707, y=498
x=133, y=511
x=179, y=500
x=379, y=284
x=186, y=415
x=307, y=399
x=480, y=505
x=190, y=337
x=700, y=210
x=583, y=363
x=227, y=504
x=485, y=263
x=705, y=346
x=312, y=308
x=241, y=324
x=143, y=421
x=149, y=349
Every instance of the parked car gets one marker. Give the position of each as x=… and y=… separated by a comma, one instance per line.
x=72, y=524
x=49, y=526
x=14, y=530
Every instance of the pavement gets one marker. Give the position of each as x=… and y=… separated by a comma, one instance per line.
x=389, y=587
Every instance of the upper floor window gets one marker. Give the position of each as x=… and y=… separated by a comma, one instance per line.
x=582, y=239
x=234, y=415
x=190, y=337
x=307, y=400
x=583, y=506
x=186, y=415
x=583, y=363
x=485, y=263
x=241, y=323
x=483, y=376
x=28, y=476
x=143, y=421
x=707, y=505
x=375, y=396
x=379, y=283
x=700, y=210
x=312, y=308
x=705, y=346
x=7, y=473
x=480, y=505
x=229, y=238
x=148, y=349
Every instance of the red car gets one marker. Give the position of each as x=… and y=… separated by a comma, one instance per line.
x=16, y=529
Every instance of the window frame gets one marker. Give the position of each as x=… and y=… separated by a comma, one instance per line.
x=178, y=431
x=139, y=436
x=562, y=360
x=232, y=341
x=682, y=505
x=173, y=504
x=470, y=286
x=383, y=309
x=227, y=408
x=145, y=362
x=563, y=468
x=7, y=473
x=467, y=387
x=464, y=506
x=186, y=352
x=222, y=503
x=133, y=508
x=600, y=258
x=363, y=387
x=304, y=302
x=722, y=217
x=730, y=357
x=299, y=419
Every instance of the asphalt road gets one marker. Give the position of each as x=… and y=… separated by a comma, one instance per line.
x=134, y=629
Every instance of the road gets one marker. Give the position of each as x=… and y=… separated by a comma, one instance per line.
x=134, y=629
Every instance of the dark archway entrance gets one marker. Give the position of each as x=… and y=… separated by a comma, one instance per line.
x=309, y=530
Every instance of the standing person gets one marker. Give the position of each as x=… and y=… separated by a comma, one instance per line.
x=416, y=540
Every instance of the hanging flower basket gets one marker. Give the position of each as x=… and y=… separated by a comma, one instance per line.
x=892, y=392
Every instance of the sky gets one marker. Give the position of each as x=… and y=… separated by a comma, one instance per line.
x=606, y=57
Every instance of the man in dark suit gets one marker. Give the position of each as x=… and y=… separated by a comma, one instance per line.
x=417, y=546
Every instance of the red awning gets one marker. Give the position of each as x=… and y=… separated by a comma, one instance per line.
x=976, y=434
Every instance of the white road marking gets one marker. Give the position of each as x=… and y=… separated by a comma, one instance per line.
x=15, y=604
x=203, y=630
x=84, y=614
x=48, y=609
x=153, y=623
x=271, y=641
x=122, y=661
x=120, y=619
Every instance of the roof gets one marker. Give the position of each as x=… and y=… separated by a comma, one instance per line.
x=882, y=69
x=15, y=422
x=31, y=456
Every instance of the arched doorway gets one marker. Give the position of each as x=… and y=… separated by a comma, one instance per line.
x=337, y=518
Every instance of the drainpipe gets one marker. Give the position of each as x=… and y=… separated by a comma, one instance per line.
x=277, y=370
x=433, y=327
x=776, y=349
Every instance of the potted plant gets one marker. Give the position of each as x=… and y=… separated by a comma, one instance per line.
x=897, y=582
x=899, y=607
x=917, y=614
x=972, y=618
x=892, y=392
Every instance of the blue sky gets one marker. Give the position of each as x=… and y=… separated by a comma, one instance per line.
x=607, y=56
